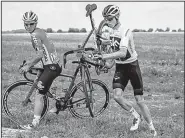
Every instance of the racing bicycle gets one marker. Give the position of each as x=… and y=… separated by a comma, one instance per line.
x=86, y=99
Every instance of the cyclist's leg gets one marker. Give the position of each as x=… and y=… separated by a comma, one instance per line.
x=137, y=84
x=43, y=85
x=120, y=81
x=25, y=102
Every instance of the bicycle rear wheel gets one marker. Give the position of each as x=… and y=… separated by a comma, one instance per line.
x=78, y=103
x=13, y=97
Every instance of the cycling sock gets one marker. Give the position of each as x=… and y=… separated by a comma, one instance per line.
x=36, y=120
x=134, y=113
x=151, y=126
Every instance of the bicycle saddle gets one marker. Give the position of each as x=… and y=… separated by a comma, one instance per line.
x=90, y=8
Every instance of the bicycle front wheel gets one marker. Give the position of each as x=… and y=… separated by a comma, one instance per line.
x=13, y=97
x=78, y=103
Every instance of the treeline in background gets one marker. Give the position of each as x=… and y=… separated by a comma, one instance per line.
x=83, y=30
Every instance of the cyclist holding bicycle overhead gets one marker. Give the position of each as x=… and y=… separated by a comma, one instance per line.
x=127, y=67
x=45, y=52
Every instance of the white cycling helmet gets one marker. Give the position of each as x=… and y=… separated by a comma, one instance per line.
x=111, y=11
x=30, y=17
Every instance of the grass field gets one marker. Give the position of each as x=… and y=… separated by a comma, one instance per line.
x=161, y=58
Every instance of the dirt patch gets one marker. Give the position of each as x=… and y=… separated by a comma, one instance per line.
x=13, y=133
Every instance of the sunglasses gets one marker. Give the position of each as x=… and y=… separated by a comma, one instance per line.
x=109, y=19
x=29, y=24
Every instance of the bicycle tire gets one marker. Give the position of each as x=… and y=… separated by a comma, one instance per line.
x=12, y=104
x=76, y=100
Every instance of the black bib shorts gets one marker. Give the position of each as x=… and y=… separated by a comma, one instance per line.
x=126, y=72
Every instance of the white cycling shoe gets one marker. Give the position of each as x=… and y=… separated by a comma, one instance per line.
x=28, y=126
x=135, y=124
x=31, y=126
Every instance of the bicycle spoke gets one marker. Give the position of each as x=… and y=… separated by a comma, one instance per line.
x=23, y=114
x=80, y=104
x=97, y=99
x=12, y=103
x=98, y=102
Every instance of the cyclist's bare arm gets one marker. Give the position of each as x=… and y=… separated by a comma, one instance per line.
x=117, y=54
x=109, y=63
x=36, y=59
x=131, y=38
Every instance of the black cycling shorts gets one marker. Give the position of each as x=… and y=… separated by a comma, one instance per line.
x=126, y=72
x=45, y=80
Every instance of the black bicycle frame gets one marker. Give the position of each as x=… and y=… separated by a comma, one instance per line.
x=82, y=67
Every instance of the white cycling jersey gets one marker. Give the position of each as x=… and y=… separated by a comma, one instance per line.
x=123, y=38
x=40, y=42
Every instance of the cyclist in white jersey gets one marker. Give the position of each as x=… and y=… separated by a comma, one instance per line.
x=46, y=53
x=127, y=67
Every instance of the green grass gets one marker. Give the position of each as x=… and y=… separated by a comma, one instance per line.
x=161, y=58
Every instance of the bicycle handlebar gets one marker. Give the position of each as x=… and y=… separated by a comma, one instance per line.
x=73, y=51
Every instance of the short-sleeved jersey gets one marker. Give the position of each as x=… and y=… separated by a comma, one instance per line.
x=121, y=38
x=40, y=41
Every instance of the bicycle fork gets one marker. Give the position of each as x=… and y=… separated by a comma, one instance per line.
x=88, y=93
x=89, y=81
